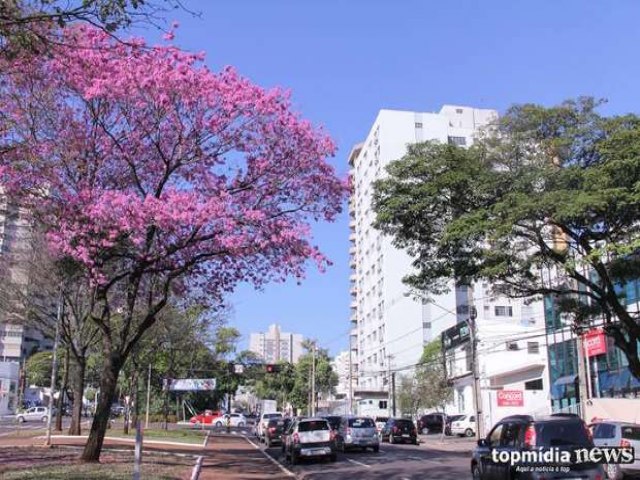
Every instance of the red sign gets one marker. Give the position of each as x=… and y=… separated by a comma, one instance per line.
x=595, y=342
x=510, y=398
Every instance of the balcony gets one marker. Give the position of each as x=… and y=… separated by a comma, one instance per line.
x=354, y=305
x=352, y=237
x=353, y=277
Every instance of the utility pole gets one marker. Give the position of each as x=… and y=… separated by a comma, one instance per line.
x=477, y=392
x=54, y=366
x=389, y=357
x=582, y=376
x=313, y=381
x=393, y=389
x=146, y=420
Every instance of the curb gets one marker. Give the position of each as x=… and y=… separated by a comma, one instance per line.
x=195, y=473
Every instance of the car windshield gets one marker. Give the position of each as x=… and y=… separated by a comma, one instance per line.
x=275, y=423
x=404, y=422
x=382, y=419
x=552, y=434
x=361, y=423
x=313, y=425
x=334, y=422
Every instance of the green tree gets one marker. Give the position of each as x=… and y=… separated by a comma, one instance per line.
x=325, y=378
x=432, y=385
x=546, y=189
x=38, y=369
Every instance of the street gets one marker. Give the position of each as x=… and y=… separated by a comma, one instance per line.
x=9, y=426
x=391, y=462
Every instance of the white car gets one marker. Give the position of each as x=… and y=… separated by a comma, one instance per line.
x=466, y=425
x=236, y=420
x=264, y=421
x=33, y=414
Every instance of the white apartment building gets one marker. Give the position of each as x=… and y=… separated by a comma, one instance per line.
x=340, y=365
x=390, y=327
x=275, y=345
x=512, y=359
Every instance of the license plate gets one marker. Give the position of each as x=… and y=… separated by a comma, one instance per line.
x=405, y=435
x=318, y=451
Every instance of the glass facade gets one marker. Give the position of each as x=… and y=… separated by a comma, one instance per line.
x=609, y=372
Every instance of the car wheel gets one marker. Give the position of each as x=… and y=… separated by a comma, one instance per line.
x=475, y=472
x=218, y=424
x=424, y=431
x=468, y=432
x=44, y=419
x=613, y=472
x=376, y=449
x=333, y=457
x=414, y=441
x=241, y=424
x=21, y=420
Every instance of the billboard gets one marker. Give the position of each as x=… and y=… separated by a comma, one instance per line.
x=510, y=398
x=190, y=384
x=456, y=335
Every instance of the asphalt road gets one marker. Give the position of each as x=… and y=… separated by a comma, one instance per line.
x=401, y=462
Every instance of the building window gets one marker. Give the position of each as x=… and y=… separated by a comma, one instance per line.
x=459, y=110
x=382, y=404
x=533, y=384
x=418, y=125
x=459, y=141
x=512, y=346
x=533, y=347
x=503, y=311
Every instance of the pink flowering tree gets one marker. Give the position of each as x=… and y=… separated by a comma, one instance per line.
x=159, y=177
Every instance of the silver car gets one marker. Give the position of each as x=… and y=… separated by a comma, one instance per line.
x=618, y=434
x=33, y=414
x=358, y=432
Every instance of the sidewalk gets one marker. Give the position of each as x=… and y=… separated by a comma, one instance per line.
x=448, y=444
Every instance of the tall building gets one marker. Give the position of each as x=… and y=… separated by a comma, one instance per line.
x=390, y=326
x=340, y=365
x=275, y=346
x=17, y=340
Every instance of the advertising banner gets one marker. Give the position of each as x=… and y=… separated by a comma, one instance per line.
x=595, y=342
x=190, y=384
x=510, y=398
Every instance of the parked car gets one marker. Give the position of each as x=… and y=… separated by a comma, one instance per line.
x=399, y=430
x=618, y=434
x=208, y=417
x=357, y=432
x=464, y=426
x=563, y=432
x=449, y=420
x=235, y=420
x=310, y=438
x=264, y=420
x=380, y=423
x=431, y=423
x=117, y=410
x=275, y=429
x=33, y=414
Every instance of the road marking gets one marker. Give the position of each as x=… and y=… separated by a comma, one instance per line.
x=284, y=469
x=206, y=440
x=126, y=440
x=358, y=463
x=418, y=459
x=195, y=473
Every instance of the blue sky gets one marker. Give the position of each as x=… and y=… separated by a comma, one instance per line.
x=345, y=60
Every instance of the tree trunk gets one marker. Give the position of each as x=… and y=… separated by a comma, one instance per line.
x=63, y=389
x=78, y=394
x=134, y=397
x=108, y=384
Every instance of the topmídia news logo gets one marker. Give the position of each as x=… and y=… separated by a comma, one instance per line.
x=557, y=456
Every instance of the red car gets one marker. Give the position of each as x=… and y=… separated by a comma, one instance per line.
x=208, y=417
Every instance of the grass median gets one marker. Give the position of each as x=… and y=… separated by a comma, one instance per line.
x=180, y=436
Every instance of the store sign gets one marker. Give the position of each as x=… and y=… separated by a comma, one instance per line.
x=190, y=384
x=456, y=335
x=595, y=342
x=510, y=398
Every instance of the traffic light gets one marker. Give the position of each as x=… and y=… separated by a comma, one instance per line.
x=272, y=368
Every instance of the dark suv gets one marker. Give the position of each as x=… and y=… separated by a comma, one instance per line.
x=564, y=432
x=431, y=423
x=273, y=432
x=399, y=430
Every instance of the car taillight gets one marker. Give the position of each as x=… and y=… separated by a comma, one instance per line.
x=348, y=431
x=530, y=436
x=296, y=438
x=625, y=443
x=272, y=429
x=414, y=431
x=599, y=477
x=332, y=435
